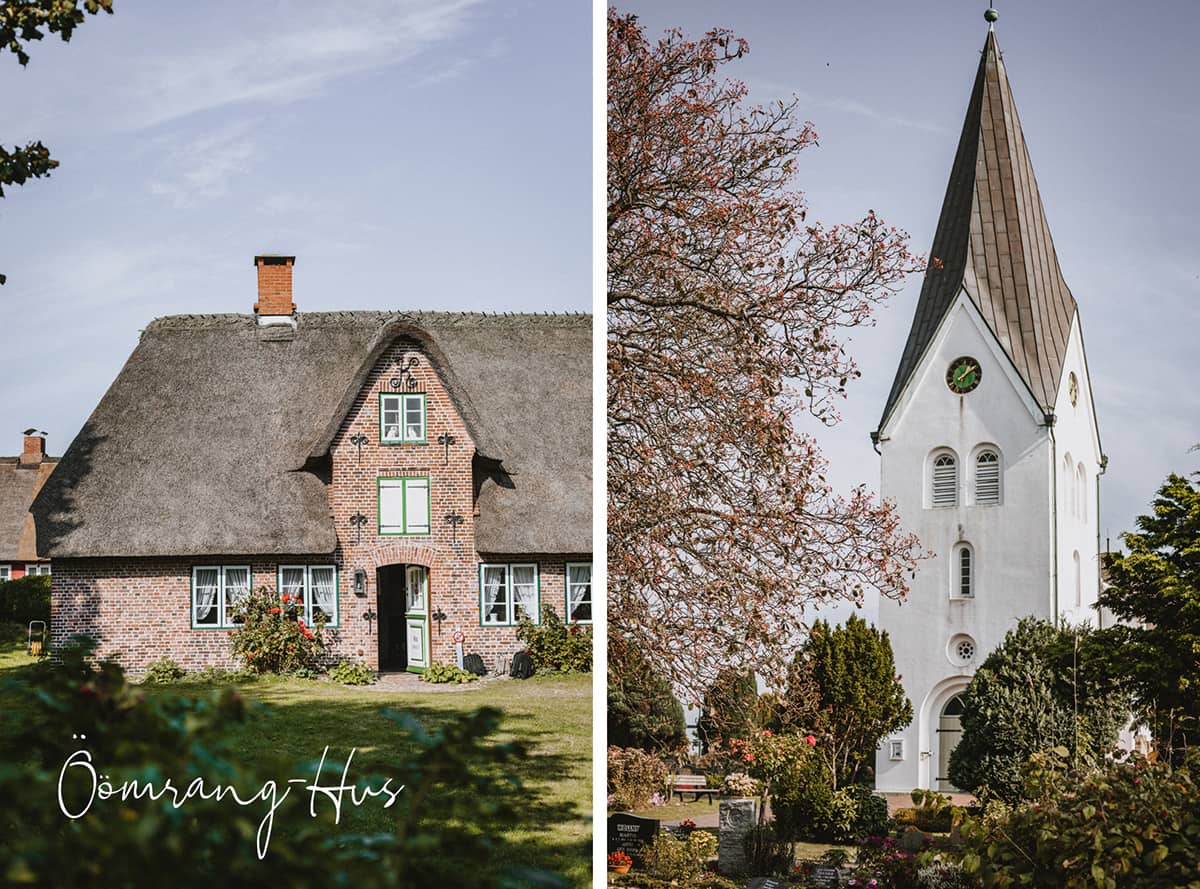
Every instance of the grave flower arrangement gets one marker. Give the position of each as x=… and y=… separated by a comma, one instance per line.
x=619, y=862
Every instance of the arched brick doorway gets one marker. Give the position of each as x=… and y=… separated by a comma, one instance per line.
x=408, y=579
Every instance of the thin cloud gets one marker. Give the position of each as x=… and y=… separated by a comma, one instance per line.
x=285, y=63
x=200, y=168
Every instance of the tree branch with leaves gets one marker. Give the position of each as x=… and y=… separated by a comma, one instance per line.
x=727, y=309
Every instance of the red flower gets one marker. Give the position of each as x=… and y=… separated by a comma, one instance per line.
x=749, y=757
x=766, y=733
x=300, y=621
x=275, y=611
x=810, y=740
x=287, y=597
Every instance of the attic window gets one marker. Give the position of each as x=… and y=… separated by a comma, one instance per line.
x=402, y=417
x=403, y=506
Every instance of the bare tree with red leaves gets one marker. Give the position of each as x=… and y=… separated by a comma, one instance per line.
x=725, y=309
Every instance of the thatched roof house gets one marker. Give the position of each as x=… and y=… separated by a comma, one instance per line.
x=265, y=450
x=20, y=480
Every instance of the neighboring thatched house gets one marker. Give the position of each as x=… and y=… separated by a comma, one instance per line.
x=20, y=480
x=411, y=475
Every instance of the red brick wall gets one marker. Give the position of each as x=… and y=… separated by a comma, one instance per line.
x=139, y=609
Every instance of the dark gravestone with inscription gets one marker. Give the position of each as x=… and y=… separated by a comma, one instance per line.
x=766, y=883
x=825, y=876
x=628, y=833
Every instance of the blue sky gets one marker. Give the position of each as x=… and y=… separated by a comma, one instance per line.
x=1106, y=96
x=413, y=154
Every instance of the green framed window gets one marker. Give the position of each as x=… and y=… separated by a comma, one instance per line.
x=579, y=592
x=402, y=417
x=404, y=506
x=506, y=591
x=316, y=586
x=217, y=591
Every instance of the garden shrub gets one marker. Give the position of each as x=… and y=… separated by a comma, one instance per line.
x=554, y=646
x=767, y=853
x=461, y=795
x=447, y=673
x=882, y=859
x=272, y=637
x=1133, y=825
x=739, y=784
x=870, y=812
x=705, y=880
x=642, y=709
x=348, y=673
x=714, y=781
x=163, y=671
x=25, y=599
x=945, y=875
x=634, y=776
x=671, y=859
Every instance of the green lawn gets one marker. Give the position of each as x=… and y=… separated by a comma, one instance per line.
x=552, y=714
x=677, y=811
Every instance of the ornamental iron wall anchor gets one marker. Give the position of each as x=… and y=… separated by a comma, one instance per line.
x=445, y=440
x=369, y=616
x=405, y=368
x=358, y=441
x=439, y=616
x=454, y=520
x=357, y=521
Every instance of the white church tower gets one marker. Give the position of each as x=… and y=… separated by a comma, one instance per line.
x=989, y=442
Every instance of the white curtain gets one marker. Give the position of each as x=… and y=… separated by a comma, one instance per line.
x=524, y=583
x=324, y=593
x=414, y=418
x=579, y=592
x=391, y=418
x=237, y=588
x=495, y=602
x=207, y=581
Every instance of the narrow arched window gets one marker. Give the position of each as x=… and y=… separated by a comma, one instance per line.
x=987, y=478
x=1068, y=483
x=1081, y=481
x=963, y=572
x=944, y=481
x=1078, y=581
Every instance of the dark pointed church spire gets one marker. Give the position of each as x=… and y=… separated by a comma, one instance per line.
x=993, y=241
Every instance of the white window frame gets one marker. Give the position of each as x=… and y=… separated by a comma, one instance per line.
x=5, y=573
x=567, y=591
x=956, y=575
x=896, y=749
x=403, y=399
x=306, y=595
x=934, y=458
x=37, y=569
x=224, y=617
x=998, y=464
x=510, y=608
x=403, y=484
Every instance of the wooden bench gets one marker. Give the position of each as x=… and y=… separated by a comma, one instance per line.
x=693, y=784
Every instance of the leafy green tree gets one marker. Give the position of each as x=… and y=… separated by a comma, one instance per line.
x=20, y=22
x=731, y=709
x=844, y=689
x=642, y=710
x=1156, y=587
x=1038, y=691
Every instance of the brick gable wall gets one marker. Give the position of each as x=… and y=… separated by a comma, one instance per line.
x=139, y=609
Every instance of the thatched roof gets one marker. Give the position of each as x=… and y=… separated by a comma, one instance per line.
x=993, y=242
x=18, y=486
x=212, y=437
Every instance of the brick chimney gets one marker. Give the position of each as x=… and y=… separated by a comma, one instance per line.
x=274, y=304
x=34, y=451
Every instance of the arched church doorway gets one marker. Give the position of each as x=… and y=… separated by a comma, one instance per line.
x=949, y=731
x=403, y=617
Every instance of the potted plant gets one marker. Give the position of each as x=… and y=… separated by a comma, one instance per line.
x=619, y=862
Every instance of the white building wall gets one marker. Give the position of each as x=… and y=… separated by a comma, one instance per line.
x=1077, y=511
x=1012, y=541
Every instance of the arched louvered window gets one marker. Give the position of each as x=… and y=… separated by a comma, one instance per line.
x=963, y=571
x=1081, y=481
x=944, y=481
x=987, y=478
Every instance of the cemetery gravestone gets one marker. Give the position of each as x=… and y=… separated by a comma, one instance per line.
x=628, y=833
x=738, y=818
x=766, y=883
x=825, y=876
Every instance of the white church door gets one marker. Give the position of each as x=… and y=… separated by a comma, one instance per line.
x=949, y=731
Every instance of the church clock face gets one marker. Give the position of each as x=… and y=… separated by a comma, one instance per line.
x=964, y=375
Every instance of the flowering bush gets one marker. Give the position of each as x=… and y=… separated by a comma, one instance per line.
x=272, y=636
x=739, y=784
x=880, y=859
x=619, y=859
x=634, y=777
x=554, y=646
